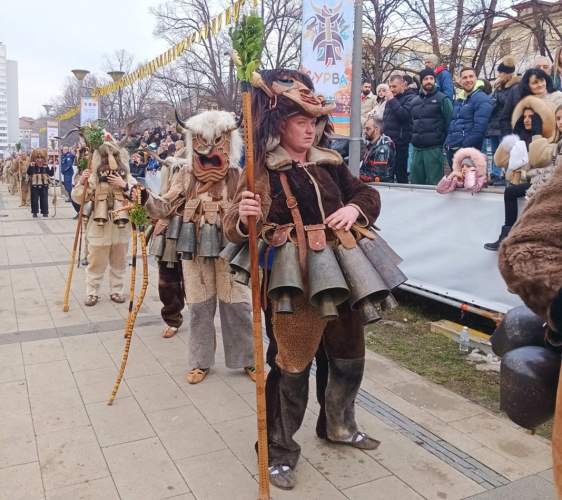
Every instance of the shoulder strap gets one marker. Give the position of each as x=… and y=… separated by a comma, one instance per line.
x=297, y=220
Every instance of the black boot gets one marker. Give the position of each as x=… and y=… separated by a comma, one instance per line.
x=496, y=244
x=343, y=385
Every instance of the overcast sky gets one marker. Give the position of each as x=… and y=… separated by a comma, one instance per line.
x=49, y=38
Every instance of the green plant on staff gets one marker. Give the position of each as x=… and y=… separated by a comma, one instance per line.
x=247, y=42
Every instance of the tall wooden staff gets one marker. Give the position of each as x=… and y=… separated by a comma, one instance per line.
x=247, y=41
x=93, y=136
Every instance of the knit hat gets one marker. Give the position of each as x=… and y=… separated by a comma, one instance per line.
x=507, y=65
x=467, y=162
x=426, y=72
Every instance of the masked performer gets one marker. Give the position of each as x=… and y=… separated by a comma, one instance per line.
x=39, y=173
x=108, y=231
x=307, y=196
x=195, y=204
x=22, y=163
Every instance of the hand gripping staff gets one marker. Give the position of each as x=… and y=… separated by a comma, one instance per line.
x=247, y=42
x=139, y=219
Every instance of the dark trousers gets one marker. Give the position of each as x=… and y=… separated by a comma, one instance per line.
x=510, y=196
x=401, y=164
x=40, y=199
x=171, y=292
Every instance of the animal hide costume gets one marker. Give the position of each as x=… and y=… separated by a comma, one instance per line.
x=307, y=313
x=108, y=230
x=39, y=174
x=195, y=205
x=22, y=164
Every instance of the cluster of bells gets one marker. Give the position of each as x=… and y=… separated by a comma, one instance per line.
x=182, y=241
x=101, y=211
x=530, y=368
x=363, y=275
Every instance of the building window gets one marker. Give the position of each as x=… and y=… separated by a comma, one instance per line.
x=505, y=47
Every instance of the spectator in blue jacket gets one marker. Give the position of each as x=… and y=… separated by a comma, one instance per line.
x=443, y=78
x=67, y=170
x=471, y=113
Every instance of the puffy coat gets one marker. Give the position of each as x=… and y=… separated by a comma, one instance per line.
x=444, y=81
x=455, y=180
x=500, y=125
x=471, y=115
x=431, y=114
x=396, y=118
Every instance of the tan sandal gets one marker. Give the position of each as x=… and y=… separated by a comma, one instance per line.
x=91, y=300
x=196, y=375
x=169, y=332
x=251, y=372
x=117, y=298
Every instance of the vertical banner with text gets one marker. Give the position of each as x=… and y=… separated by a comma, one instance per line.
x=327, y=50
x=34, y=140
x=89, y=110
x=52, y=132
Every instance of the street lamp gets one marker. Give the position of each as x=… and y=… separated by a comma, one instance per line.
x=116, y=76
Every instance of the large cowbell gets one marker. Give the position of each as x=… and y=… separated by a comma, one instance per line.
x=327, y=286
x=101, y=212
x=286, y=280
x=230, y=251
x=240, y=264
x=383, y=262
x=209, y=241
x=170, y=255
x=366, y=284
x=156, y=247
x=174, y=227
x=187, y=241
x=121, y=214
x=87, y=210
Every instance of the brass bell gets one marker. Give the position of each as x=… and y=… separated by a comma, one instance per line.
x=366, y=285
x=87, y=210
x=170, y=255
x=174, y=227
x=120, y=217
x=209, y=241
x=229, y=251
x=240, y=264
x=328, y=288
x=101, y=212
x=286, y=279
x=156, y=247
x=383, y=262
x=186, y=243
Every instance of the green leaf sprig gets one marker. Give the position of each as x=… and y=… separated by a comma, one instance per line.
x=93, y=135
x=138, y=215
x=247, y=42
x=82, y=164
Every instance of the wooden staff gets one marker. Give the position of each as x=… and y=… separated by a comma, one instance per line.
x=133, y=312
x=68, y=284
x=263, y=460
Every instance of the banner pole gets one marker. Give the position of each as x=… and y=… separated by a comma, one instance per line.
x=355, y=135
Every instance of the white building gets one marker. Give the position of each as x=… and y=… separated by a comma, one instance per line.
x=9, y=107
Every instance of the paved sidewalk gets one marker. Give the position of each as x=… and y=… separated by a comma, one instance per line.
x=165, y=439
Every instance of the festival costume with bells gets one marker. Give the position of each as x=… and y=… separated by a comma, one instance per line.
x=195, y=204
x=323, y=286
x=108, y=231
x=22, y=164
x=39, y=177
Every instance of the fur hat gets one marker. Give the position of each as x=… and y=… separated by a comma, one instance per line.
x=39, y=153
x=541, y=108
x=426, y=72
x=477, y=158
x=507, y=65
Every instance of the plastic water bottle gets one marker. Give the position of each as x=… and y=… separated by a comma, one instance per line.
x=464, y=340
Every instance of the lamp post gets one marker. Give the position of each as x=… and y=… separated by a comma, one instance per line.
x=355, y=136
x=80, y=75
x=48, y=108
x=116, y=76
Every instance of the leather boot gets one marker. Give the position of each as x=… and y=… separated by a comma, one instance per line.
x=493, y=247
x=344, y=380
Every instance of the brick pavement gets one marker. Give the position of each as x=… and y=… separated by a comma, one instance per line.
x=166, y=439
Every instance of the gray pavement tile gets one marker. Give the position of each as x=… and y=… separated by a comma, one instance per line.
x=218, y=475
x=21, y=482
x=49, y=376
x=157, y=392
x=386, y=488
x=57, y=410
x=14, y=398
x=42, y=351
x=547, y=474
x=17, y=440
x=119, y=423
x=95, y=386
x=69, y=458
x=185, y=433
x=10, y=355
x=529, y=488
x=144, y=470
x=11, y=373
x=98, y=489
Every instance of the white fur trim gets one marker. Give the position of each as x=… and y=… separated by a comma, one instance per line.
x=509, y=141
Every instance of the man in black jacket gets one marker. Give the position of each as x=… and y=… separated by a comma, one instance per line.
x=431, y=113
x=397, y=124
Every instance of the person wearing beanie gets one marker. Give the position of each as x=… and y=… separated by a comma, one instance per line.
x=431, y=113
x=506, y=86
x=443, y=78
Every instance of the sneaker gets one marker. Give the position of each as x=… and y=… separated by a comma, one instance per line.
x=196, y=375
x=91, y=300
x=282, y=477
x=45, y=215
x=35, y=216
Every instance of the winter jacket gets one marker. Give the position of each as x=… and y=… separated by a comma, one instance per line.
x=67, y=165
x=367, y=104
x=472, y=181
x=378, y=162
x=378, y=110
x=556, y=70
x=471, y=114
x=444, y=81
x=396, y=118
x=431, y=114
x=500, y=121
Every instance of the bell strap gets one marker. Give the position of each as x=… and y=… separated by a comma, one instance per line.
x=190, y=209
x=211, y=212
x=293, y=206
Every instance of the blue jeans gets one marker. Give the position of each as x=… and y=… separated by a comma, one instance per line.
x=494, y=142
